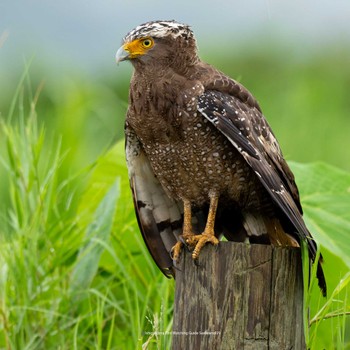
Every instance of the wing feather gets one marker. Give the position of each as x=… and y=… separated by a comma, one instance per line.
x=159, y=217
x=248, y=131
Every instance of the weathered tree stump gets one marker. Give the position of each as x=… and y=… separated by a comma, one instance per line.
x=240, y=296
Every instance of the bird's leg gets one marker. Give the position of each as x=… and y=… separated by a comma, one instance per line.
x=186, y=231
x=208, y=235
x=197, y=242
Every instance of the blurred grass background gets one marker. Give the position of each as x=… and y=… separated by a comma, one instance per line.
x=305, y=99
x=64, y=134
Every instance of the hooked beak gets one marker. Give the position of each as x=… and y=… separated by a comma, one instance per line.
x=121, y=54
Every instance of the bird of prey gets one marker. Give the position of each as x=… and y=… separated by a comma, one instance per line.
x=203, y=162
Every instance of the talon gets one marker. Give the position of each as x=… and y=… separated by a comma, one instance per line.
x=186, y=239
x=176, y=251
x=201, y=241
x=190, y=241
x=196, y=242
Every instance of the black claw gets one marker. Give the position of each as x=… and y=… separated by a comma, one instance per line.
x=171, y=253
x=176, y=268
x=181, y=239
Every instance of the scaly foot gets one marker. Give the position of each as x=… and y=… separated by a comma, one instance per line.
x=194, y=243
x=199, y=241
x=176, y=251
x=177, y=248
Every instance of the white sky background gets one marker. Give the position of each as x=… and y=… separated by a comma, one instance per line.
x=87, y=33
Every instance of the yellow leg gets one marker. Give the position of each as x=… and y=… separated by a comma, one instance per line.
x=197, y=242
x=208, y=236
x=186, y=231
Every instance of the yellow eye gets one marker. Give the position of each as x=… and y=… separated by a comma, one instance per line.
x=147, y=43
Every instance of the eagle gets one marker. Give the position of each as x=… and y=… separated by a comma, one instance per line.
x=202, y=160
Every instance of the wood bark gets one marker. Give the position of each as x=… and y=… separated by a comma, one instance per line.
x=239, y=296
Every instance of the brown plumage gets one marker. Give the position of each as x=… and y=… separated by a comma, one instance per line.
x=202, y=159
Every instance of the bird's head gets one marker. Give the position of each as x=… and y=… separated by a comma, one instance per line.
x=159, y=43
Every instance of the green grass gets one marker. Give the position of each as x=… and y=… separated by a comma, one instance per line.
x=74, y=271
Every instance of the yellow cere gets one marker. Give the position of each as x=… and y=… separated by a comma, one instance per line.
x=138, y=47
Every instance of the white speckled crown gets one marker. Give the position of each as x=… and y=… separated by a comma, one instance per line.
x=159, y=29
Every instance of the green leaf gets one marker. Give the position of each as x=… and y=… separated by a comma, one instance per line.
x=107, y=168
x=97, y=235
x=325, y=194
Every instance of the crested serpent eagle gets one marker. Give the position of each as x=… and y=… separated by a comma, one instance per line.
x=203, y=162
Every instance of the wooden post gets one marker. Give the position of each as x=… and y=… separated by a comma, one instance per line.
x=240, y=296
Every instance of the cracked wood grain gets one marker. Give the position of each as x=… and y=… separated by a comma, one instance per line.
x=239, y=297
